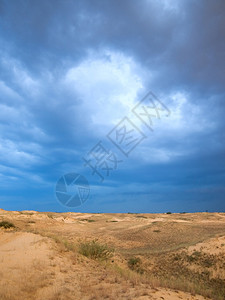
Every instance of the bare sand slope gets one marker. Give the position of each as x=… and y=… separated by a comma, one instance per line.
x=32, y=267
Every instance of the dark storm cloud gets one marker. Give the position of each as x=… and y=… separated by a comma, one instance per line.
x=178, y=47
x=184, y=45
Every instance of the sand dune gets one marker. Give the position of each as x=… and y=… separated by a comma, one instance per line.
x=182, y=256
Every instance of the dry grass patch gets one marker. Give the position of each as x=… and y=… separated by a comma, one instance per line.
x=95, y=250
x=135, y=264
x=6, y=224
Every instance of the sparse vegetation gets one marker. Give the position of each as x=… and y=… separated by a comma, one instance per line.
x=6, y=224
x=147, y=253
x=26, y=213
x=134, y=263
x=144, y=217
x=188, y=273
x=87, y=220
x=50, y=216
x=95, y=250
x=60, y=240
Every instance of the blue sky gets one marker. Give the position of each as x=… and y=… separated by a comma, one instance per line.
x=71, y=70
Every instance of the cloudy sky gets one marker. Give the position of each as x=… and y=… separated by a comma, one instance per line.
x=70, y=71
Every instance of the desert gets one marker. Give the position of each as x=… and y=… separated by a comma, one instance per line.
x=57, y=256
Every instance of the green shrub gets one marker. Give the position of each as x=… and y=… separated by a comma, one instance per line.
x=134, y=263
x=95, y=250
x=169, y=213
x=6, y=224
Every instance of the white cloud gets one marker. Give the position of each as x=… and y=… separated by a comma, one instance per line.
x=171, y=5
x=164, y=143
x=20, y=77
x=186, y=116
x=107, y=85
x=11, y=176
x=9, y=114
x=8, y=94
x=13, y=154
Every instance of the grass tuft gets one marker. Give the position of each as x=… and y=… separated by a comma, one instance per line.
x=6, y=224
x=134, y=263
x=95, y=250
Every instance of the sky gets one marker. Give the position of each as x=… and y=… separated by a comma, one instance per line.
x=72, y=76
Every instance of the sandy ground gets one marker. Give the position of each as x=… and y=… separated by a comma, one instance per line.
x=30, y=268
x=34, y=266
